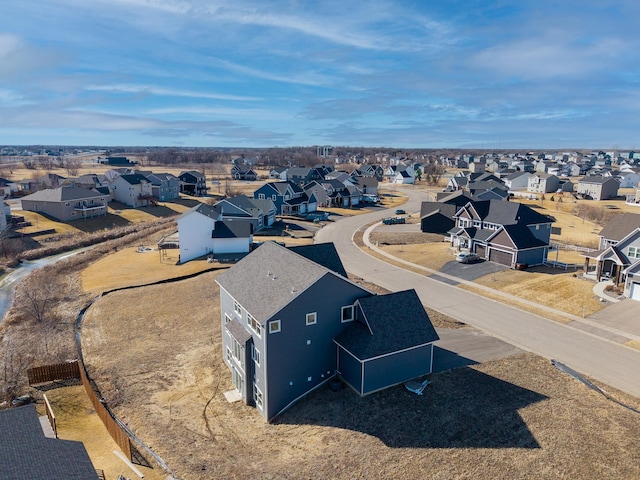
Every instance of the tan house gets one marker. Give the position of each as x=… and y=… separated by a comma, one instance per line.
x=598, y=187
x=133, y=190
x=543, y=183
x=66, y=203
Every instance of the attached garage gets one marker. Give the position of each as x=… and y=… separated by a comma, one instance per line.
x=499, y=256
x=481, y=251
x=634, y=292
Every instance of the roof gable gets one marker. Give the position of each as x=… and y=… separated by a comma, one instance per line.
x=389, y=323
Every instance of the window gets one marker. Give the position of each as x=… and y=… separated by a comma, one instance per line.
x=254, y=325
x=255, y=355
x=261, y=196
x=274, y=326
x=257, y=396
x=227, y=318
x=238, y=350
x=229, y=354
x=274, y=197
x=634, y=252
x=311, y=318
x=347, y=314
x=237, y=308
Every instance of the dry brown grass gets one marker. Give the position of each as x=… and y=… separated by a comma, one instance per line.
x=562, y=291
x=430, y=255
x=127, y=268
x=633, y=344
x=77, y=420
x=514, y=418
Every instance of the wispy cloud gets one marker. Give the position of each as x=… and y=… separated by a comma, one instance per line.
x=169, y=92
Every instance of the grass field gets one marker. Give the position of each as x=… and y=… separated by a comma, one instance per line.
x=514, y=418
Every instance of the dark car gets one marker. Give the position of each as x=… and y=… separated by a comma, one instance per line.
x=400, y=212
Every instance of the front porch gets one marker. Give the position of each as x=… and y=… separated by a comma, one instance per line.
x=604, y=266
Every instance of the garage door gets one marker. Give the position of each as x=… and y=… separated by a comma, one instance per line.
x=635, y=291
x=498, y=256
x=481, y=250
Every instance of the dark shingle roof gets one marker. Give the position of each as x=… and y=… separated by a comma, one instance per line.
x=324, y=254
x=596, y=179
x=204, y=209
x=523, y=237
x=620, y=226
x=396, y=321
x=25, y=453
x=134, y=179
x=236, y=228
x=446, y=209
x=508, y=213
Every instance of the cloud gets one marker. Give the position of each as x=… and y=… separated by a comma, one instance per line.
x=18, y=58
x=169, y=92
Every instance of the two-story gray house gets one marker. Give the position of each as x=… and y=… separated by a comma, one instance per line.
x=618, y=258
x=292, y=320
x=164, y=186
x=503, y=232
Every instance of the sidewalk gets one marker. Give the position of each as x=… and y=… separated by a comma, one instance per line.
x=608, y=332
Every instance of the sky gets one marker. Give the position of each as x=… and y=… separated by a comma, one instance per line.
x=532, y=74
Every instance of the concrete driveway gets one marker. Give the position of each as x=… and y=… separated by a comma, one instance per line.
x=621, y=315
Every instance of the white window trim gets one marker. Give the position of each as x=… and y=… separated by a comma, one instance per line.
x=237, y=308
x=255, y=355
x=311, y=318
x=275, y=326
x=348, y=307
x=258, y=398
x=634, y=252
x=254, y=325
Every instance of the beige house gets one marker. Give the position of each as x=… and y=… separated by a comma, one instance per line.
x=66, y=203
x=598, y=187
x=542, y=183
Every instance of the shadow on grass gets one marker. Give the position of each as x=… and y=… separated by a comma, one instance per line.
x=461, y=408
x=160, y=211
x=95, y=224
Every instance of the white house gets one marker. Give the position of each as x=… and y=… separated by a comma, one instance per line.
x=202, y=231
x=628, y=179
x=133, y=190
x=517, y=180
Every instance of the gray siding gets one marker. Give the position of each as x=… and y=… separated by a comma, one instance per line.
x=299, y=351
x=396, y=368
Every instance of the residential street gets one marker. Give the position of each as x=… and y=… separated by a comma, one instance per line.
x=585, y=352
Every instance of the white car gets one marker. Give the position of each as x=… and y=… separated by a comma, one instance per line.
x=467, y=257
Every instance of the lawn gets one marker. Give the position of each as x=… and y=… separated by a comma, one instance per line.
x=513, y=418
x=128, y=267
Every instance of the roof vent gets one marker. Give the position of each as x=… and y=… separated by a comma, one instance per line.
x=293, y=290
x=274, y=277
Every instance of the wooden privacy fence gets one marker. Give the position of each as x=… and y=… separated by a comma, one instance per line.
x=51, y=373
x=74, y=370
x=118, y=435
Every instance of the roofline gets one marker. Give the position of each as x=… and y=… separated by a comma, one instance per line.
x=369, y=359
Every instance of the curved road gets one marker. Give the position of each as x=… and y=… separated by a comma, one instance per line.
x=599, y=358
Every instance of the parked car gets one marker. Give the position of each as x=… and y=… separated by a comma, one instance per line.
x=467, y=257
x=400, y=212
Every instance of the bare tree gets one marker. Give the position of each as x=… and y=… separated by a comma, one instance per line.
x=38, y=295
x=72, y=166
x=29, y=163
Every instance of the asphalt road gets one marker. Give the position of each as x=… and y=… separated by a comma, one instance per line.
x=599, y=358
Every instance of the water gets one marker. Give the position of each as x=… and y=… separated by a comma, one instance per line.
x=8, y=282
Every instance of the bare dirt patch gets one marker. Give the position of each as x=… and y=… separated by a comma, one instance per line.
x=512, y=418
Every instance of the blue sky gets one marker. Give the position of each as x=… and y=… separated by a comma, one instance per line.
x=408, y=74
